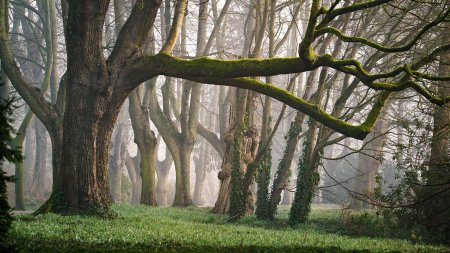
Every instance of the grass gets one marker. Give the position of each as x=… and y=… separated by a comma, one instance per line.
x=148, y=229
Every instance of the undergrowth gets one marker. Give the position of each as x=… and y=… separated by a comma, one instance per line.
x=147, y=229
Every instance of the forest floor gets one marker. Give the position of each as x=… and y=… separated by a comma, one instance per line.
x=150, y=229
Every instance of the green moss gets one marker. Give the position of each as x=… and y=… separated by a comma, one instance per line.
x=210, y=67
x=140, y=4
x=307, y=181
x=237, y=197
x=263, y=180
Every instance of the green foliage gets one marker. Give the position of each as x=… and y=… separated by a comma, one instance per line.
x=420, y=198
x=263, y=180
x=386, y=225
x=294, y=130
x=307, y=181
x=6, y=154
x=147, y=229
x=306, y=185
x=5, y=217
x=421, y=206
x=237, y=199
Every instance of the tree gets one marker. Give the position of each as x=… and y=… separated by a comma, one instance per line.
x=93, y=89
x=7, y=153
x=435, y=189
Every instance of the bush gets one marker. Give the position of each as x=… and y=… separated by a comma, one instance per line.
x=6, y=154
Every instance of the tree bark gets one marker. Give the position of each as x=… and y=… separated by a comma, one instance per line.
x=163, y=170
x=39, y=189
x=132, y=164
x=436, y=178
x=365, y=183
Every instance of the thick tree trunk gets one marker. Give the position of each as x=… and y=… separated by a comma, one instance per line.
x=437, y=177
x=223, y=199
x=81, y=184
x=183, y=190
x=146, y=141
x=148, y=170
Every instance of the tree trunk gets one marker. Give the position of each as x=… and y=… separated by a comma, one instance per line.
x=19, y=186
x=162, y=172
x=146, y=141
x=223, y=199
x=437, y=177
x=308, y=178
x=116, y=164
x=292, y=137
x=200, y=172
x=38, y=186
x=183, y=190
x=81, y=184
x=365, y=182
x=132, y=164
x=285, y=164
x=148, y=170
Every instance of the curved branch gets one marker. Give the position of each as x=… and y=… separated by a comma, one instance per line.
x=146, y=67
x=312, y=110
x=217, y=26
x=42, y=108
x=369, y=80
x=406, y=47
x=135, y=31
x=178, y=20
x=332, y=13
x=212, y=138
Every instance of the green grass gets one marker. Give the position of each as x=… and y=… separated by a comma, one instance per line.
x=147, y=229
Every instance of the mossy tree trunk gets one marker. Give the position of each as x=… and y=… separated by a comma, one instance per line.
x=292, y=138
x=308, y=176
x=265, y=165
x=307, y=179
